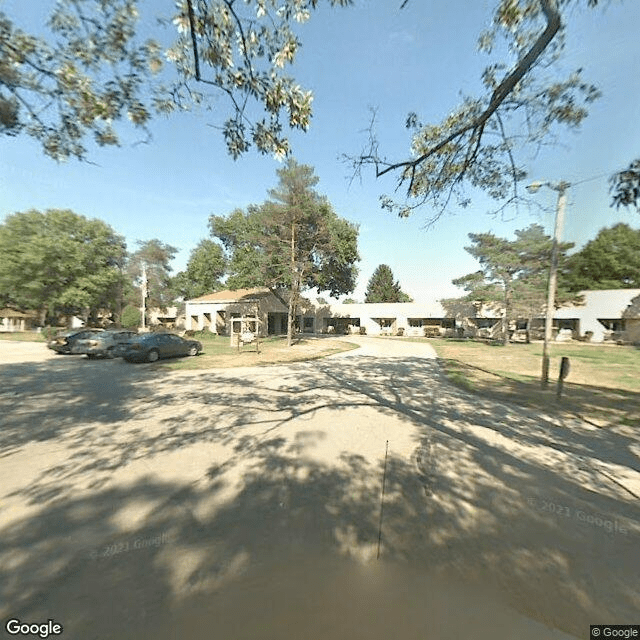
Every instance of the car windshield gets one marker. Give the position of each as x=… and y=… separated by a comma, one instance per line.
x=401, y=405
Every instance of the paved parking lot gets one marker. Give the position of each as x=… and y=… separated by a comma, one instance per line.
x=138, y=503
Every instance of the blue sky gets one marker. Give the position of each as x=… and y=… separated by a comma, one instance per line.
x=370, y=55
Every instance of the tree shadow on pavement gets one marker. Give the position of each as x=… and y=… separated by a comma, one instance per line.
x=216, y=494
x=41, y=401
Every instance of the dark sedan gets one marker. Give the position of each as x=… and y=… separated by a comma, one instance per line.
x=151, y=347
x=64, y=342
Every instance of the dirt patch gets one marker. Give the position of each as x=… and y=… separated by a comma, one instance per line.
x=248, y=356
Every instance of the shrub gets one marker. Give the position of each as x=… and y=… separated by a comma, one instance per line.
x=400, y=331
x=159, y=328
x=50, y=332
x=199, y=334
x=363, y=331
x=131, y=317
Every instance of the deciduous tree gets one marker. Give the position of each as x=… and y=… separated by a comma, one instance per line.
x=156, y=256
x=58, y=261
x=88, y=68
x=610, y=261
x=479, y=142
x=625, y=186
x=204, y=272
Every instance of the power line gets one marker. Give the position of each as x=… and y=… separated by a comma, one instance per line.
x=602, y=175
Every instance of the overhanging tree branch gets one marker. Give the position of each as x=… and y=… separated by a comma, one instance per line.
x=501, y=92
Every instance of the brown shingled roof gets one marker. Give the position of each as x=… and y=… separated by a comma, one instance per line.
x=12, y=313
x=231, y=295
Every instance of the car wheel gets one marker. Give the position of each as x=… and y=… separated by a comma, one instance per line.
x=153, y=355
x=91, y=356
x=193, y=351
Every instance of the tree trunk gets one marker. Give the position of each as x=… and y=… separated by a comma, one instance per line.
x=293, y=292
x=118, y=306
x=507, y=310
x=290, y=318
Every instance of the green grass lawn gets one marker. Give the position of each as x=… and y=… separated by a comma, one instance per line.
x=22, y=336
x=603, y=383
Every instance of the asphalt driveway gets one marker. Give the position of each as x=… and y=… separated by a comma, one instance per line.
x=246, y=503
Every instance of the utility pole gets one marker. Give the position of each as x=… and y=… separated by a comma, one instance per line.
x=561, y=188
x=144, y=294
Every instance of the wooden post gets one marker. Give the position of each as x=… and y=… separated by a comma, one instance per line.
x=551, y=291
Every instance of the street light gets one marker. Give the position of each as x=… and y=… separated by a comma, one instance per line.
x=561, y=188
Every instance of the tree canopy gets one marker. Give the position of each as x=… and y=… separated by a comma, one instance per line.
x=477, y=144
x=625, y=186
x=293, y=241
x=513, y=273
x=58, y=261
x=383, y=287
x=87, y=69
x=205, y=270
x=610, y=261
x=156, y=256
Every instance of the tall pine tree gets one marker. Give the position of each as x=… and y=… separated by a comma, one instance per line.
x=293, y=241
x=514, y=273
x=383, y=288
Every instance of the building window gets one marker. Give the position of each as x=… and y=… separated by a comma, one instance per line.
x=613, y=324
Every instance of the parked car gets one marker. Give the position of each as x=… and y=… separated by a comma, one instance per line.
x=64, y=341
x=152, y=346
x=102, y=345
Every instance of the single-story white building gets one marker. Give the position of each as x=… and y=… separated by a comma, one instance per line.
x=387, y=318
x=215, y=311
x=168, y=317
x=607, y=314
x=12, y=320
